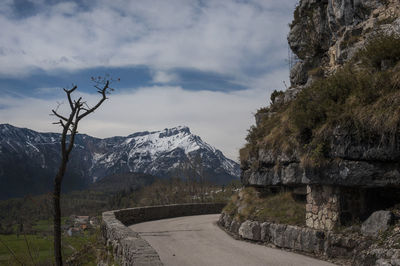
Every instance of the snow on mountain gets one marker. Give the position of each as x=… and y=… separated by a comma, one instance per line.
x=27, y=157
x=161, y=152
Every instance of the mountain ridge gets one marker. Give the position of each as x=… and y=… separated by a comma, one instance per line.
x=27, y=156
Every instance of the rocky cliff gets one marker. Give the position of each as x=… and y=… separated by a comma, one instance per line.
x=339, y=122
x=326, y=34
x=331, y=141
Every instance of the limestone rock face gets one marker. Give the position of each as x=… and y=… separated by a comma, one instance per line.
x=298, y=73
x=344, y=172
x=324, y=35
x=327, y=33
x=377, y=223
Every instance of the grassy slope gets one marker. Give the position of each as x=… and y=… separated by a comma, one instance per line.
x=362, y=97
x=250, y=204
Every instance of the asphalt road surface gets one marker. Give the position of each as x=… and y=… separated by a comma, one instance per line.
x=197, y=240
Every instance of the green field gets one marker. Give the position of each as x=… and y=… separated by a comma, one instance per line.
x=38, y=249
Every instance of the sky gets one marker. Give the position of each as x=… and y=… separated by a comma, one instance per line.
x=205, y=64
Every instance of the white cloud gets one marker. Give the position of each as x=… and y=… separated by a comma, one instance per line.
x=221, y=119
x=241, y=39
x=222, y=36
x=164, y=77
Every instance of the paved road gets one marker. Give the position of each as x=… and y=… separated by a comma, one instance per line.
x=197, y=240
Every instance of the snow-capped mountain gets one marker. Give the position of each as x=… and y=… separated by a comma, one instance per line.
x=29, y=159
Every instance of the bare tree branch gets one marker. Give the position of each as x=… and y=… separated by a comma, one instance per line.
x=59, y=116
x=69, y=92
x=91, y=110
x=69, y=124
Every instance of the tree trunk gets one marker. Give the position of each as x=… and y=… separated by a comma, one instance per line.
x=57, y=212
x=57, y=223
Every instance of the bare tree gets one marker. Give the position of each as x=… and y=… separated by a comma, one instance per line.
x=79, y=109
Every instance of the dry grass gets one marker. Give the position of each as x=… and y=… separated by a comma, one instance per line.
x=364, y=100
x=250, y=204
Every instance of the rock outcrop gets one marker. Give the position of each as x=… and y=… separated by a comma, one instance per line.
x=377, y=223
x=327, y=33
x=338, y=144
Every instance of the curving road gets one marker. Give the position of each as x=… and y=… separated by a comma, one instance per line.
x=197, y=240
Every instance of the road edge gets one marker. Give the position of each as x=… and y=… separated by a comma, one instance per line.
x=127, y=246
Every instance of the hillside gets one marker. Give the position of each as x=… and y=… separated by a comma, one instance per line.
x=29, y=159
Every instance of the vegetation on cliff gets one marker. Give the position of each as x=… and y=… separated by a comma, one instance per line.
x=362, y=98
x=262, y=206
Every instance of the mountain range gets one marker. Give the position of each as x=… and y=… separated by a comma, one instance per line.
x=29, y=159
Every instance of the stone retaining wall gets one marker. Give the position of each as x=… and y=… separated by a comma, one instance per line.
x=127, y=246
x=322, y=209
x=324, y=244
x=143, y=214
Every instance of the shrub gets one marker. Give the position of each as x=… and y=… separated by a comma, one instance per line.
x=319, y=102
x=276, y=94
x=381, y=48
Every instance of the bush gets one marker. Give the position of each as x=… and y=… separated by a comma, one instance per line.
x=320, y=102
x=382, y=49
x=275, y=95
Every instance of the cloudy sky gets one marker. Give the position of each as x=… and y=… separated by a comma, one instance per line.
x=206, y=64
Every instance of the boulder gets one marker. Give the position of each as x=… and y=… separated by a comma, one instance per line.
x=378, y=222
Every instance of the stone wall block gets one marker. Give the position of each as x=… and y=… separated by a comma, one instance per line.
x=250, y=230
x=225, y=220
x=221, y=219
x=310, y=222
x=292, y=237
x=277, y=234
x=234, y=228
x=322, y=213
x=265, y=233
